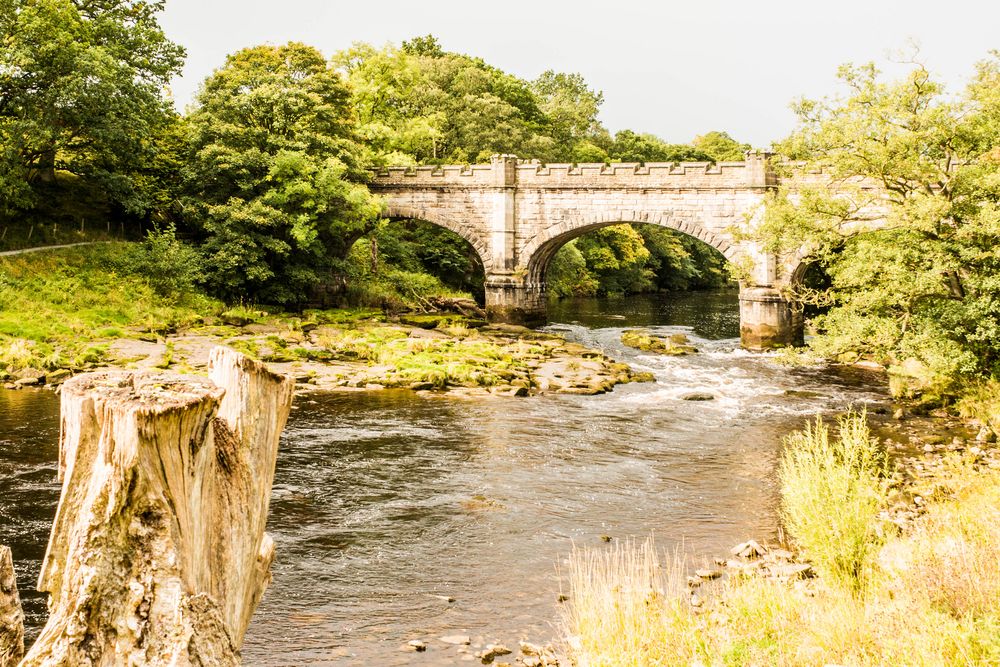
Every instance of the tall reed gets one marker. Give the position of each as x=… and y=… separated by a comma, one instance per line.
x=832, y=491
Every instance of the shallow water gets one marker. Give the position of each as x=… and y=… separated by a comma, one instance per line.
x=385, y=501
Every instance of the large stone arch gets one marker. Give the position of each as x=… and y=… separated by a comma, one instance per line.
x=467, y=232
x=539, y=250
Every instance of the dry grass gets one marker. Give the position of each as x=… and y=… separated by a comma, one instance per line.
x=625, y=608
x=930, y=596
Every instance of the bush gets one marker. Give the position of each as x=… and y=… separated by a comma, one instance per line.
x=832, y=493
x=170, y=266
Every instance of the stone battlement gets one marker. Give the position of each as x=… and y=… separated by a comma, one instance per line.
x=507, y=171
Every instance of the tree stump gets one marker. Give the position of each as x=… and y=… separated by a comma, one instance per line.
x=158, y=554
x=11, y=616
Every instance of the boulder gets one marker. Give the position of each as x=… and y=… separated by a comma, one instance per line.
x=493, y=651
x=434, y=334
x=58, y=376
x=748, y=549
x=28, y=374
x=698, y=396
x=421, y=386
x=790, y=570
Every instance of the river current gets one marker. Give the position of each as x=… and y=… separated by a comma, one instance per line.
x=387, y=505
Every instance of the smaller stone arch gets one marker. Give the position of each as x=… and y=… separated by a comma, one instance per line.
x=538, y=251
x=480, y=244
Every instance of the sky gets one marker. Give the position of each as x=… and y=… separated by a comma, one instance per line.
x=676, y=69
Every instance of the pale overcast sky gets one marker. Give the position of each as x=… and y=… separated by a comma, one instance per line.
x=675, y=69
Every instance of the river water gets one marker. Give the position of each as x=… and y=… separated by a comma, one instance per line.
x=386, y=505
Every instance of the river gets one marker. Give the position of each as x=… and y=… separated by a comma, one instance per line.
x=388, y=504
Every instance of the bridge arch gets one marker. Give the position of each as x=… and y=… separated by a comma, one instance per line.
x=539, y=250
x=476, y=240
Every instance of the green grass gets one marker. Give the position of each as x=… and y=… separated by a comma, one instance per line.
x=54, y=305
x=832, y=492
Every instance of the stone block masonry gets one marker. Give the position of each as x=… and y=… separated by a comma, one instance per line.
x=517, y=214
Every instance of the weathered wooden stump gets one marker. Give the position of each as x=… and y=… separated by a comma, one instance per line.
x=158, y=554
x=11, y=616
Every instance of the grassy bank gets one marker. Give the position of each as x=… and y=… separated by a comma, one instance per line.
x=928, y=594
x=59, y=307
x=72, y=309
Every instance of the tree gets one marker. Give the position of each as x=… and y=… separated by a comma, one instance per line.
x=421, y=104
x=720, y=147
x=682, y=262
x=571, y=108
x=930, y=309
x=81, y=93
x=275, y=183
x=618, y=258
x=629, y=146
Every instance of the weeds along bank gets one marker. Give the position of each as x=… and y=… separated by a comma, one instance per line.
x=886, y=591
x=83, y=308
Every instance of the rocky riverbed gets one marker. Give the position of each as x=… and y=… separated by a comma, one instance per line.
x=426, y=354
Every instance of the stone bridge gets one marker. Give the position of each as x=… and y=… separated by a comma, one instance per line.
x=517, y=214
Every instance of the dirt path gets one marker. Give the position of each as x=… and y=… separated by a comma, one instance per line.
x=24, y=251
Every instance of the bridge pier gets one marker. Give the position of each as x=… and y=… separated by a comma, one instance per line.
x=512, y=300
x=768, y=320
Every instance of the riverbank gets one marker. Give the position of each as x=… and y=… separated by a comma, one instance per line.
x=901, y=565
x=73, y=310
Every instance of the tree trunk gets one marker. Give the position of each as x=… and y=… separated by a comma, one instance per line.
x=11, y=616
x=158, y=554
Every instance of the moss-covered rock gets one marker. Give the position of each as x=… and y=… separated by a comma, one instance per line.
x=640, y=339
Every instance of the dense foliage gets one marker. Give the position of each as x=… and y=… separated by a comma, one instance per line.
x=81, y=98
x=275, y=180
x=931, y=310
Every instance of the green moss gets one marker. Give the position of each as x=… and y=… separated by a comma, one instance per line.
x=245, y=346
x=640, y=339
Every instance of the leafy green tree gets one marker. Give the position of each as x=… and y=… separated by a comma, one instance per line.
x=421, y=104
x=417, y=246
x=571, y=109
x=921, y=292
x=628, y=146
x=568, y=274
x=720, y=147
x=618, y=258
x=81, y=93
x=275, y=183
x=682, y=262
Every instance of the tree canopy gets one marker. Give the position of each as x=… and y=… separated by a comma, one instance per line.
x=81, y=93
x=932, y=303
x=275, y=182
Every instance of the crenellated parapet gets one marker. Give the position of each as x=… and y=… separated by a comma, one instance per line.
x=507, y=171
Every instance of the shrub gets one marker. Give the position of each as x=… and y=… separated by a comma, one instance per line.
x=170, y=266
x=832, y=492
